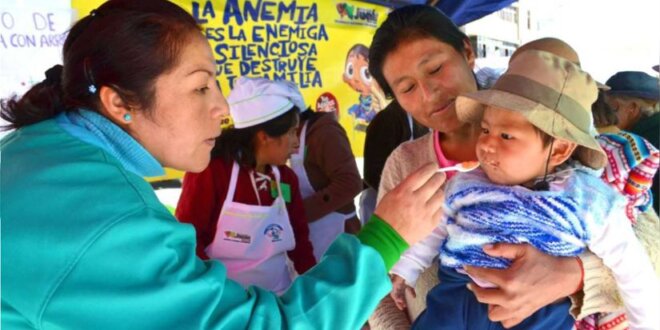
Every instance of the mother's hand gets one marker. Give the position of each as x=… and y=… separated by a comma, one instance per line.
x=533, y=281
x=413, y=208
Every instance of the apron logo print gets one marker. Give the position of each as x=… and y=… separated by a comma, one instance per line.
x=237, y=237
x=273, y=231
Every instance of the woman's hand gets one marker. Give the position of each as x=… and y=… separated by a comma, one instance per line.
x=534, y=280
x=413, y=208
x=399, y=289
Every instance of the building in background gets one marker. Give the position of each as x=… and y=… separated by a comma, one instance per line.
x=497, y=35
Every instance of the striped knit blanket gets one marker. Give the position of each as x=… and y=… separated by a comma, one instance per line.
x=558, y=222
x=632, y=163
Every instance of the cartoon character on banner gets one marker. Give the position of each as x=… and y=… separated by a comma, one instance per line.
x=357, y=75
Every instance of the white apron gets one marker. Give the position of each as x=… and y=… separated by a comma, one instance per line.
x=252, y=240
x=323, y=231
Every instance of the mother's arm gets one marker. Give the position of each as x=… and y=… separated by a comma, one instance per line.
x=600, y=292
x=535, y=279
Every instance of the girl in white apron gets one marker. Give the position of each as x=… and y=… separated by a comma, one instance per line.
x=325, y=159
x=246, y=206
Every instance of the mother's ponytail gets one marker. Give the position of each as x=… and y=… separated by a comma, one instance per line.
x=43, y=101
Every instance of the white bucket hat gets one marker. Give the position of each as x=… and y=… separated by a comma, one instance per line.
x=257, y=100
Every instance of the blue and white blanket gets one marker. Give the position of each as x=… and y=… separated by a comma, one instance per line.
x=558, y=222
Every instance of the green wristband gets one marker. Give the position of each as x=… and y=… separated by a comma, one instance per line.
x=383, y=238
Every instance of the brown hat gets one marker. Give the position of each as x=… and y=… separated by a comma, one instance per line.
x=553, y=94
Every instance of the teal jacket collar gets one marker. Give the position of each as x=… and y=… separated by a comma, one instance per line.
x=97, y=130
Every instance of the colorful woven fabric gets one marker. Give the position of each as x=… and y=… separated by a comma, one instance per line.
x=557, y=222
x=632, y=163
x=603, y=321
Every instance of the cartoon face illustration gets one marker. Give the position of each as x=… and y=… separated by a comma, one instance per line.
x=356, y=70
x=274, y=232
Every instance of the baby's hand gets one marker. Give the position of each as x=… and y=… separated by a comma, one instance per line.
x=399, y=288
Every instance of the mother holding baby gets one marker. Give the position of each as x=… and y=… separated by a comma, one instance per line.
x=425, y=62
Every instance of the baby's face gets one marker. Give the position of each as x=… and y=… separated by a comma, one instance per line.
x=509, y=149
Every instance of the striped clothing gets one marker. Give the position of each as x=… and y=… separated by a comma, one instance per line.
x=632, y=163
x=558, y=222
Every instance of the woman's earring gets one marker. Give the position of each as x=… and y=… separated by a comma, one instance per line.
x=127, y=117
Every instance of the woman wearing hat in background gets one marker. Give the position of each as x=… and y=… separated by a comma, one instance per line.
x=247, y=179
x=423, y=60
x=635, y=97
x=328, y=176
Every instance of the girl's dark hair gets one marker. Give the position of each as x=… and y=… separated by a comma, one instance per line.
x=124, y=44
x=237, y=144
x=604, y=114
x=308, y=114
x=406, y=24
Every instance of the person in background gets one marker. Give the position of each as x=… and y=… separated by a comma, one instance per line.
x=605, y=118
x=328, y=177
x=635, y=96
x=247, y=179
x=391, y=127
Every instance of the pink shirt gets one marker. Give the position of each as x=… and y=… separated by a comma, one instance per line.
x=440, y=156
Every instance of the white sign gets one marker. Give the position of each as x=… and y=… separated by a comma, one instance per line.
x=31, y=37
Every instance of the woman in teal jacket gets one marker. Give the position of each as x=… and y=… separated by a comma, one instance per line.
x=87, y=245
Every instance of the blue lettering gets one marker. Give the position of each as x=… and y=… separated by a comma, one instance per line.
x=195, y=13
x=215, y=34
x=257, y=33
x=313, y=51
x=232, y=10
x=7, y=20
x=323, y=34
x=310, y=64
x=228, y=69
x=271, y=32
x=220, y=51
x=279, y=76
x=266, y=13
x=283, y=9
x=231, y=80
x=22, y=40
x=316, y=81
x=234, y=52
x=251, y=10
x=313, y=13
x=208, y=9
x=244, y=68
x=266, y=66
x=236, y=35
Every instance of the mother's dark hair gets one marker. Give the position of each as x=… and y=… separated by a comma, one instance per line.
x=124, y=44
x=406, y=24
